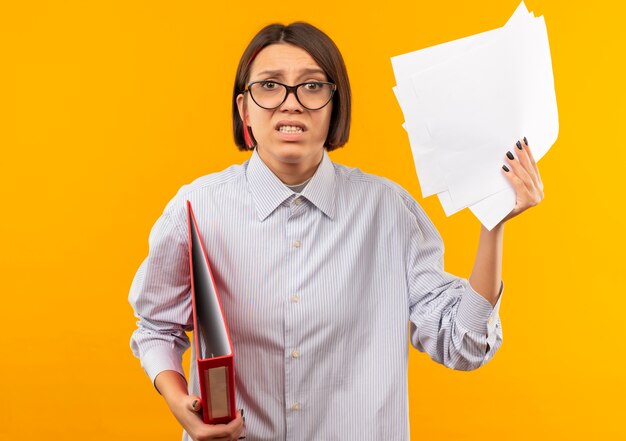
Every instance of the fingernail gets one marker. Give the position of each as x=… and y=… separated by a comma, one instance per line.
x=510, y=155
x=519, y=145
x=525, y=141
x=506, y=169
x=242, y=412
x=194, y=404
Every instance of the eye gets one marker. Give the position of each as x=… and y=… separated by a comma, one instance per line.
x=269, y=85
x=313, y=86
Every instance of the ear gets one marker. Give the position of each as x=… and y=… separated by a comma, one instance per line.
x=240, y=99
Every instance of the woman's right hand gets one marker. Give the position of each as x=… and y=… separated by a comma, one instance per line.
x=188, y=410
x=190, y=418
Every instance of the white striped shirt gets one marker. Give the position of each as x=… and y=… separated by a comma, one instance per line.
x=318, y=290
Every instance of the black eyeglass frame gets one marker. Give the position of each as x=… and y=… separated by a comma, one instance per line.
x=293, y=89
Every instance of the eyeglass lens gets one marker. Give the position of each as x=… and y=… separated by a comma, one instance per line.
x=311, y=95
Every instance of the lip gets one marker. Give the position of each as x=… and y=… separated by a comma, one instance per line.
x=290, y=136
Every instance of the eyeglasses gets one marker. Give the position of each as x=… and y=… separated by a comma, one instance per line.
x=312, y=95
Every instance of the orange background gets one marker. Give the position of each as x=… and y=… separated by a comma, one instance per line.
x=108, y=107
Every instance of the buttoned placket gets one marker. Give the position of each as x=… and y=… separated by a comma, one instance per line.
x=294, y=313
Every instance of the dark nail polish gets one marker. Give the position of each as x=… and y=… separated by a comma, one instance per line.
x=194, y=403
x=519, y=145
x=506, y=169
x=510, y=155
x=525, y=141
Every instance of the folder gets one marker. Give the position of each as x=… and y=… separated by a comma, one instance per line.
x=213, y=346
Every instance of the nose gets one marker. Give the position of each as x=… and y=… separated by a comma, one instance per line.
x=291, y=102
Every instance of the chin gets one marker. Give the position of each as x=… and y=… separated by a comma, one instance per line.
x=292, y=152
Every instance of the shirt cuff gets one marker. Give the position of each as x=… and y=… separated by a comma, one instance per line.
x=159, y=359
x=476, y=313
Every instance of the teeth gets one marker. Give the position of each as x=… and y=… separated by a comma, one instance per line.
x=290, y=129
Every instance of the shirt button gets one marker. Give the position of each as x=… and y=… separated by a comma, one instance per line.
x=295, y=298
x=297, y=243
x=296, y=406
x=295, y=354
x=297, y=201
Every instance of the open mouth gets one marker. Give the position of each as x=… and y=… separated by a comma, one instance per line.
x=290, y=129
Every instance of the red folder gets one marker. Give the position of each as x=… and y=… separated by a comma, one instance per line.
x=214, y=349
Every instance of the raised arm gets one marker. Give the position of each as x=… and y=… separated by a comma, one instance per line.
x=456, y=321
x=523, y=174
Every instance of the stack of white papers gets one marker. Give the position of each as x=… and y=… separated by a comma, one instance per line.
x=467, y=102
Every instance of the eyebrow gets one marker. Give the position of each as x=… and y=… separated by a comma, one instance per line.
x=279, y=72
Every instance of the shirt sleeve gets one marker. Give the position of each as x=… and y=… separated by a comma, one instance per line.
x=161, y=299
x=450, y=321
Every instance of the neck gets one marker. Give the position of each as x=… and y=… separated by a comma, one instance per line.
x=291, y=173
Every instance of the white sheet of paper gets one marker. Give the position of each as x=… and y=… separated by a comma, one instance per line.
x=404, y=67
x=467, y=101
x=491, y=210
x=479, y=103
x=430, y=177
x=446, y=203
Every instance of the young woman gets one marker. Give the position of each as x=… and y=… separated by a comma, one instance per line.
x=320, y=267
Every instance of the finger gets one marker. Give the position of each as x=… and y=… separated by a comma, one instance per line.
x=514, y=180
x=521, y=191
x=218, y=432
x=524, y=159
x=524, y=199
x=530, y=153
x=239, y=433
x=526, y=147
x=242, y=433
x=194, y=403
x=228, y=432
x=222, y=432
x=237, y=423
x=519, y=171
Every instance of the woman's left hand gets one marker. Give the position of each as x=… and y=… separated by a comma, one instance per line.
x=523, y=174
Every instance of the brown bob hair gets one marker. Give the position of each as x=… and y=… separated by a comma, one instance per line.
x=325, y=53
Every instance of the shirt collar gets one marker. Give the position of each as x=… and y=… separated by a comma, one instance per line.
x=268, y=192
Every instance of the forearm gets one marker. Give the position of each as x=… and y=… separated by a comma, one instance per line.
x=487, y=272
x=171, y=385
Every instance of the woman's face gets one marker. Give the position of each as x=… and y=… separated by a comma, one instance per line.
x=290, y=65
